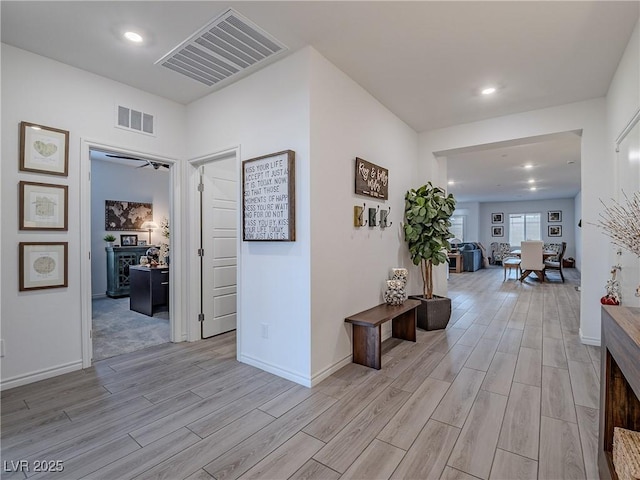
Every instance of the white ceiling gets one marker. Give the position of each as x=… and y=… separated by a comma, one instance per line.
x=423, y=60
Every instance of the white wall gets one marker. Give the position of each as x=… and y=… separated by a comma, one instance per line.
x=264, y=113
x=472, y=226
x=596, y=178
x=113, y=181
x=349, y=265
x=42, y=329
x=565, y=205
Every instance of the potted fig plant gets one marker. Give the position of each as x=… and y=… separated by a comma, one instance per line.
x=427, y=215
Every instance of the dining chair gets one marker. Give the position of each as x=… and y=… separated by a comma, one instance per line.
x=531, y=259
x=555, y=263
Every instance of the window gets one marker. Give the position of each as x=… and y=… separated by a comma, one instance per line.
x=524, y=226
x=457, y=226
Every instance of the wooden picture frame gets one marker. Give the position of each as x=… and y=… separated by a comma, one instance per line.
x=497, y=231
x=554, y=230
x=128, y=240
x=43, y=206
x=554, y=216
x=371, y=180
x=122, y=215
x=497, y=218
x=44, y=149
x=268, y=198
x=42, y=265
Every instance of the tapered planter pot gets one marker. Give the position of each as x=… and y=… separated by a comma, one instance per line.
x=433, y=314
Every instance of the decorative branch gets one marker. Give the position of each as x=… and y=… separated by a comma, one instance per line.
x=621, y=223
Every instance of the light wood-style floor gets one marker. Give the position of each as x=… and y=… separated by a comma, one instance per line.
x=507, y=391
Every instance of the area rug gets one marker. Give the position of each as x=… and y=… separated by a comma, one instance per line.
x=118, y=330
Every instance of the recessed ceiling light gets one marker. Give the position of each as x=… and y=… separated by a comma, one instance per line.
x=531, y=180
x=528, y=166
x=533, y=189
x=488, y=90
x=133, y=37
x=451, y=182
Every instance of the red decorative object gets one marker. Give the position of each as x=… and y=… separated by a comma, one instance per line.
x=609, y=300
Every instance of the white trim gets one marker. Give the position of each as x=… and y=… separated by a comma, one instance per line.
x=176, y=292
x=625, y=131
x=192, y=226
x=595, y=341
x=281, y=372
x=40, y=375
x=320, y=376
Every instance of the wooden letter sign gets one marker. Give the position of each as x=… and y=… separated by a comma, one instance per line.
x=371, y=180
x=268, y=198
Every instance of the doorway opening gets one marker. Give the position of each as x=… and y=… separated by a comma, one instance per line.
x=130, y=198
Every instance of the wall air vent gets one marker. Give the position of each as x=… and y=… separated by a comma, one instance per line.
x=131, y=119
x=226, y=47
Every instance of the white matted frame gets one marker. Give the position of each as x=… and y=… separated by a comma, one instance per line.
x=44, y=149
x=43, y=206
x=43, y=265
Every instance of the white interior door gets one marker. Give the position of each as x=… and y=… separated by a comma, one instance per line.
x=219, y=242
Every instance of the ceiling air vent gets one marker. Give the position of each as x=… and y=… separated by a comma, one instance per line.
x=135, y=120
x=227, y=46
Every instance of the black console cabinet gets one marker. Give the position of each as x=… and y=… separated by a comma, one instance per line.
x=149, y=288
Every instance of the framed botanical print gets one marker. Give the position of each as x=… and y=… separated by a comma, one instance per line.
x=43, y=206
x=497, y=217
x=497, y=231
x=44, y=149
x=42, y=265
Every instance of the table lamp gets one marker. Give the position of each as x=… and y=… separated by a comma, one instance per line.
x=149, y=225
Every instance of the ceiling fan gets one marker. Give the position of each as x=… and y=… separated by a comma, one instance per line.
x=155, y=165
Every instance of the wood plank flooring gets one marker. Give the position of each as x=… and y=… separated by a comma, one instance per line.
x=507, y=391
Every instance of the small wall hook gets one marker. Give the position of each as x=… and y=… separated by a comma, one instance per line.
x=373, y=213
x=358, y=215
x=384, y=218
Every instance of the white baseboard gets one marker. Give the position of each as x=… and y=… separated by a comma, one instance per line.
x=268, y=367
x=19, y=380
x=595, y=341
x=320, y=376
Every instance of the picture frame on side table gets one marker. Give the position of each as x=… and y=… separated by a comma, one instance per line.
x=44, y=149
x=555, y=230
x=497, y=218
x=554, y=216
x=42, y=265
x=128, y=240
x=497, y=231
x=43, y=206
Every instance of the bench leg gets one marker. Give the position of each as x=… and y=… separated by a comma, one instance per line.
x=367, y=346
x=404, y=326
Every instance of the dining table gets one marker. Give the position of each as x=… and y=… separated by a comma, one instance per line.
x=545, y=253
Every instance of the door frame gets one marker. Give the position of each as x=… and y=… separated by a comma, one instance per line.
x=194, y=288
x=175, y=218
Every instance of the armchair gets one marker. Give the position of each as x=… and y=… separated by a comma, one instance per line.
x=555, y=263
x=500, y=251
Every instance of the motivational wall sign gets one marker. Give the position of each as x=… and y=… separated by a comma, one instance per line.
x=268, y=198
x=371, y=180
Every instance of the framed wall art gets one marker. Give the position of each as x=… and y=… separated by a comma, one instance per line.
x=124, y=215
x=42, y=265
x=43, y=206
x=554, y=216
x=555, y=230
x=44, y=149
x=128, y=240
x=497, y=218
x=268, y=198
x=497, y=231
x=371, y=180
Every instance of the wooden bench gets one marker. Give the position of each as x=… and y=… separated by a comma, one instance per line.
x=367, y=337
